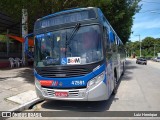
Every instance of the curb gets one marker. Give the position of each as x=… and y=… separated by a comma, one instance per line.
x=26, y=106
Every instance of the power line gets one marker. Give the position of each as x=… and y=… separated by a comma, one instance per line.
x=149, y=10
x=151, y=2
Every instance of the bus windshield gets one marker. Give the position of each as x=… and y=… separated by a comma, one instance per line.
x=56, y=48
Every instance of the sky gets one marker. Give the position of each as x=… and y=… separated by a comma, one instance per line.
x=147, y=21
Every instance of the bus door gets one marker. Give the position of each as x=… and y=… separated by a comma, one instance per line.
x=109, y=65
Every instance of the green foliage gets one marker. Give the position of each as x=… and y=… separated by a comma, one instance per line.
x=118, y=12
x=148, y=46
x=3, y=38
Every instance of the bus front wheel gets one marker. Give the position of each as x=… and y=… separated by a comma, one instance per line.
x=123, y=69
x=115, y=84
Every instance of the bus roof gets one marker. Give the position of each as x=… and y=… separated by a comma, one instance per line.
x=67, y=16
x=65, y=11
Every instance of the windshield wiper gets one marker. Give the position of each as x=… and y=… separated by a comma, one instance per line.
x=73, y=33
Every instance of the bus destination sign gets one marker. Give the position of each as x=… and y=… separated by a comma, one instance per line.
x=65, y=18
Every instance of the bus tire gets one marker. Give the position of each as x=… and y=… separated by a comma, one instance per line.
x=115, y=83
x=123, y=69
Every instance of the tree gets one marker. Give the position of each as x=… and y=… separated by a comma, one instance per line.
x=149, y=45
x=119, y=12
x=121, y=16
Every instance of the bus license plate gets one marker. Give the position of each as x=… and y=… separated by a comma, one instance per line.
x=61, y=94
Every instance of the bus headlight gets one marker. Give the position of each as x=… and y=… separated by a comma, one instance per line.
x=96, y=79
x=37, y=83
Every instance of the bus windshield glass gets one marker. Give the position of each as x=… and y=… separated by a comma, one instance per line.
x=56, y=48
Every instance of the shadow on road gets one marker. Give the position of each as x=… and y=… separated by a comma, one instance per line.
x=80, y=106
x=25, y=73
x=128, y=71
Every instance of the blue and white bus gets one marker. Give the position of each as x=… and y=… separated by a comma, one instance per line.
x=78, y=56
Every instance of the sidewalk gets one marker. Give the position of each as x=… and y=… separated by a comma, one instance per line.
x=16, y=87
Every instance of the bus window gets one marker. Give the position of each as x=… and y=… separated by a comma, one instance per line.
x=114, y=44
x=108, y=49
x=107, y=41
x=86, y=45
x=45, y=46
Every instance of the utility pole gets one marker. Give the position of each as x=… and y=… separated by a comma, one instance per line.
x=24, y=32
x=154, y=49
x=7, y=42
x=139, y=45
x=52, y=6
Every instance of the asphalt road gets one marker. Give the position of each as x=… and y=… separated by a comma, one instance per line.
x=138, y=90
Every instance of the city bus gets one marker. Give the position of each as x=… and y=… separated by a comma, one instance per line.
x=78, y=56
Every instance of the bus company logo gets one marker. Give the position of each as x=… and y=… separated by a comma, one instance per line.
x=73, y=60
x=55, y=83
x=60, y=84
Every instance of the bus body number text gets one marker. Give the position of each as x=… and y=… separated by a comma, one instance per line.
x=78, y=82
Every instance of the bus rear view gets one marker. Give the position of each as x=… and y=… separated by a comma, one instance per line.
x=69, y=56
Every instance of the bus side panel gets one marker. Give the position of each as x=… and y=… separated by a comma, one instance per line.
x=110, y=76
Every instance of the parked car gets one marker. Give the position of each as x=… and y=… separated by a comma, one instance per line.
x=141, y=61
x=156, y=59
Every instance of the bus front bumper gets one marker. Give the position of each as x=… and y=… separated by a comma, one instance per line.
x=95, y=93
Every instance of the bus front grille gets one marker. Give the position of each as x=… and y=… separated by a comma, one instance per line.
x=62, y=73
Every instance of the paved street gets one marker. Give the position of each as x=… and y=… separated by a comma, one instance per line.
x=139, y=90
